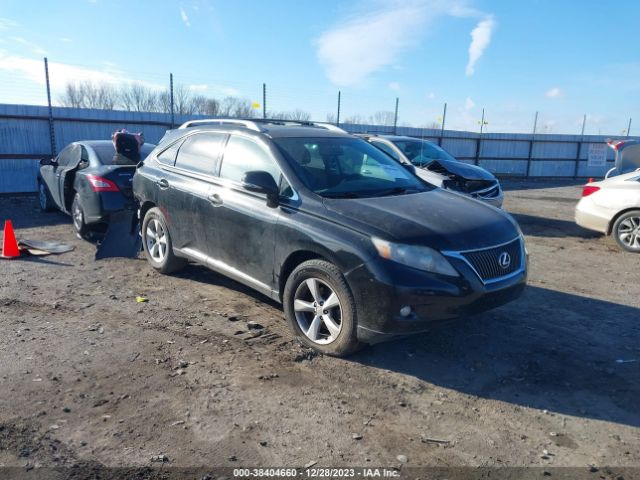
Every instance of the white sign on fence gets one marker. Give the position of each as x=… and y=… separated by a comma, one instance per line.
x=597, y=155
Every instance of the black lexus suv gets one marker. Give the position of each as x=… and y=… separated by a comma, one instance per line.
x=356, y=247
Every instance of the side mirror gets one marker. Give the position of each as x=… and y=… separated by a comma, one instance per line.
x=48, y=161
x=259, y=181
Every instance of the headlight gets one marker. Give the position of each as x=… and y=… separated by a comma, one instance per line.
x=421, y=258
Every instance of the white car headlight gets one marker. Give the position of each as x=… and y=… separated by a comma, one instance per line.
x=421, y=258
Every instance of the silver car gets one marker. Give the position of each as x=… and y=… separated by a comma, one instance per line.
x=612, y=207
x=438, y=167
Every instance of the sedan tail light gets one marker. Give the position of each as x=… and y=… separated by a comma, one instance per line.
x=101, y=184
x=588, y=190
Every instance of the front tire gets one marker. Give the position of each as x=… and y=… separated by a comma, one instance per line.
x=320, y=308
x=157, y=244
x=626, y=231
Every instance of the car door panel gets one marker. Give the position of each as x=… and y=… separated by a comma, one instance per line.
x=66, y=174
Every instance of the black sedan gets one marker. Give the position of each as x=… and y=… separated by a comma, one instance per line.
x=84, y=182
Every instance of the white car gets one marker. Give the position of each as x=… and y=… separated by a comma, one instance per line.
x=438, y=167
x=612, y=207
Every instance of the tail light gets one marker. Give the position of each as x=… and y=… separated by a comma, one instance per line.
x=101, y=184
x=588, y=190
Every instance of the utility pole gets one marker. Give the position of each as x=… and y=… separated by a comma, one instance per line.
x=52, y=133
x=264, y=100
x=173, y=122
x=338, y=115
x=629, y=127
x=395, y=117
x=444, y=119
x=535, y=123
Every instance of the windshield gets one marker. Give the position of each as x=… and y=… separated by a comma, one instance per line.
x=422, y=152
x=106, y=152
x=342, y=167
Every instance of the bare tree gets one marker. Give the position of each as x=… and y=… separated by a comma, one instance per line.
x=355, y=119
x=331, y=118
x=89, y=95
x=382, y=118
x=295, y=115
x=236, y=107
x=136, y=97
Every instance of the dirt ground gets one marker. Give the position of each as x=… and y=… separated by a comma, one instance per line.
x=91, y=377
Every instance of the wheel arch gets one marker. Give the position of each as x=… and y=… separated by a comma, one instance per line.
x=618, y=215
x=293, y=260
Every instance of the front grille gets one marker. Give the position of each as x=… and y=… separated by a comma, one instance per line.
x=487, y=262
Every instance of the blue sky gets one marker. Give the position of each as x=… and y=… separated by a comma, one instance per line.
x=559, y=57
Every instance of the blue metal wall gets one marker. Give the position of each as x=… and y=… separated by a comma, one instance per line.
x=24, y=135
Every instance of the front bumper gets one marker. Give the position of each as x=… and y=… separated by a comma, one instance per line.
x=382, y=288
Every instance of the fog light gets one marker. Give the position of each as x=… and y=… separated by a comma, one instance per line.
x=405, y=311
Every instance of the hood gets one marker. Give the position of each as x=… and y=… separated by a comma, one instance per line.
x=464, y=170
x=437, y=219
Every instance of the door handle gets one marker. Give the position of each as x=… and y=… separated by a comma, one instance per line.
x=163, y=183
x=215, y=199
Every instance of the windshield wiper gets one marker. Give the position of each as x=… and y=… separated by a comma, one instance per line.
x=396, y=191
x=340, y=195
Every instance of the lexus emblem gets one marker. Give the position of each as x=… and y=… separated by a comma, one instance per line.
x=504, y=260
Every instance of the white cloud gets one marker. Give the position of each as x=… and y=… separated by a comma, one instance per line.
x=431, y=95
x=184, y=16
x=199, y=87
x=30, y=45
x=7, y=23
x=373, y=38
x=230, y=91
x=480, y=39
x=394, y=86
x=469, y=104
x=554, y=92
x=61, y=73
x=66, y=39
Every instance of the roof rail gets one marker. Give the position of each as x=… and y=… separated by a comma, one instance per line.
x=254, y=124
x=251, y=125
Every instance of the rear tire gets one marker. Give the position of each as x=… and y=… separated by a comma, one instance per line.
x=157, y=244
x=44, y=197
x=320, y=308
x=626, y=231
x=77, y=214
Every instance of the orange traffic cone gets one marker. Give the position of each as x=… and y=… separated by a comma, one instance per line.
x=9, y=243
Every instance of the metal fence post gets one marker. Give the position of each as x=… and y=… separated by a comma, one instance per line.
x=629, y=127
x=395, y=117
x=171, y=106
x=264, y=100
x=52, y=133
x=531, y=142
x=338, y=115
x=444, y=119
x=580, y=143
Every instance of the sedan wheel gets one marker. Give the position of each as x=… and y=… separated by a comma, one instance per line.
x=43, y=198
x=156, y=240
x=318, y=311
x=627, y=231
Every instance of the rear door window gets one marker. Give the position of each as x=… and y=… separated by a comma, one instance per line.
x=200, y=152
x=243, y=155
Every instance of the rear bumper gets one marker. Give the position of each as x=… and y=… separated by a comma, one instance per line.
x=588, y=215
x=382, y=288
x=98, y=206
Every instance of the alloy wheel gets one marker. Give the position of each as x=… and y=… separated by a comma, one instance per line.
x=629, y=232
x=77, y=216
x=156, y=240
x=318, y=311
